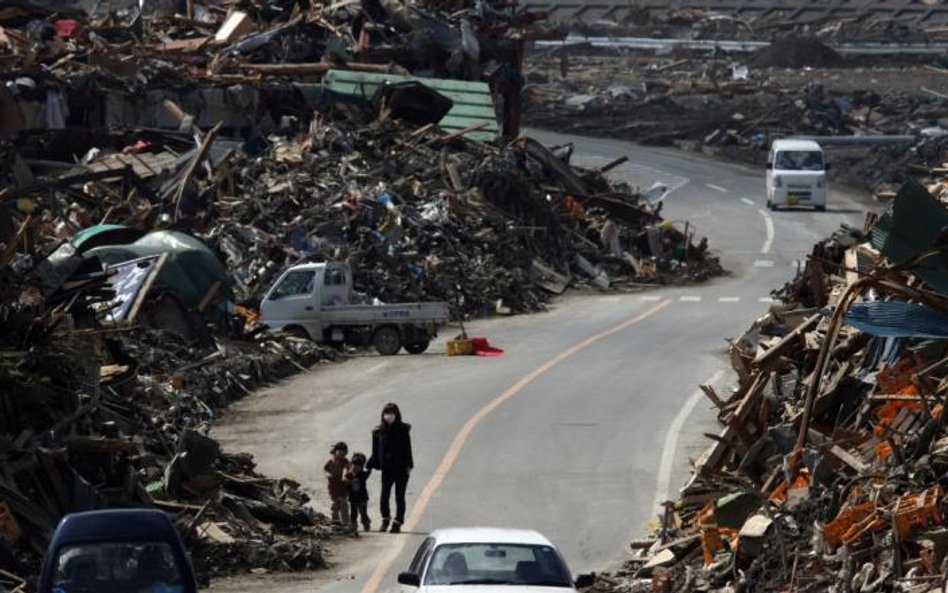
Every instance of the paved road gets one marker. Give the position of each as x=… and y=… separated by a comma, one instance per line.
x=589, y=418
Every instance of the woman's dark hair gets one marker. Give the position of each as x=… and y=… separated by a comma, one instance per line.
x=390, y=408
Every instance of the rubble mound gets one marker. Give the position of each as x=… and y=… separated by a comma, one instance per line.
x=78, y=435
x=796, y=52
x=830, y=467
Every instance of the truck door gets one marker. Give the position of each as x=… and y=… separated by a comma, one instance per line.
x=292, y=300
x=336, y=286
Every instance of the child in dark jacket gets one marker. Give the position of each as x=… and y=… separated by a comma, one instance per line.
x=358, y=494
x=336, y=469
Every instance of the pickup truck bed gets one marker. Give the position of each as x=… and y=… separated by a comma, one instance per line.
x=373, y=314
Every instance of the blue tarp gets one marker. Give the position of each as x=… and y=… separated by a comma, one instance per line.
x=897, y=319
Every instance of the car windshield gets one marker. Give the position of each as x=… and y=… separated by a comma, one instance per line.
x=127, y=567
x=799, y=160
x=496, y=564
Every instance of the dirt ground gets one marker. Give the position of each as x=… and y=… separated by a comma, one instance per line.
x=346, y=557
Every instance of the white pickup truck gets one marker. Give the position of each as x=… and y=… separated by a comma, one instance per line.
x=314, y=301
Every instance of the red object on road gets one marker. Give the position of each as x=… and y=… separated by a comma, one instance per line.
x=483, y=348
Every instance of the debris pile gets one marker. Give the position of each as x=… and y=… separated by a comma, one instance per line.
x=173, y=65
x=829, y=473
x=132, y=258
x=98, y=411
x=486, y=229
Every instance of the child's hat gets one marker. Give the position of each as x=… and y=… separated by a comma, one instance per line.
x=340, y=446
x=358, y=459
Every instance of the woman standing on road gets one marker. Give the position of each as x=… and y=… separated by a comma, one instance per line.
x=391, y=454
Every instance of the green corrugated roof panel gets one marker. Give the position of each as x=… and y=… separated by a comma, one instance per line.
x=911, y=225
x=473, y=103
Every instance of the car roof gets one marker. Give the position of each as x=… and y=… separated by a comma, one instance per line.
x=115, y=525
x=796, y=144
x=489, y=535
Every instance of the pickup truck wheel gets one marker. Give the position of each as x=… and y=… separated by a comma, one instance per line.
x=387, y=341
x=416, y=347
x=296, y=331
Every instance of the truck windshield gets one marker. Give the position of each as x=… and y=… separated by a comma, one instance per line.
x=124, y=567
x=299, y=282
x=799, y=160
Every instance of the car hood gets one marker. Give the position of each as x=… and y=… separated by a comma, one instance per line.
x=494, y=589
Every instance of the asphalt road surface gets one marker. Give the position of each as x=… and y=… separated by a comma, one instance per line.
x=589, y=419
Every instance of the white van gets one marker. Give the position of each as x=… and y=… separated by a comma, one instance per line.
x=796, y=174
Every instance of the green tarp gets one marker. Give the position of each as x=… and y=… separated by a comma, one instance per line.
x=913, y=224
x=190, y=270
x=473, y=103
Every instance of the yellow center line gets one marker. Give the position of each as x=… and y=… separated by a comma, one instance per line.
x=454, y=451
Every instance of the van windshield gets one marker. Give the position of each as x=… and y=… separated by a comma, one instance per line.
x=799, y=160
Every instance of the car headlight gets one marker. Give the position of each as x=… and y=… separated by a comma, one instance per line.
x=821, y=181
x=778, y=182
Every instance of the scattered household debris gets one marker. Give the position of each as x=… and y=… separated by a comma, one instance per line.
x=829, y=471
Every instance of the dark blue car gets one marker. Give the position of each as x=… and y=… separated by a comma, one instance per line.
x=117, y=551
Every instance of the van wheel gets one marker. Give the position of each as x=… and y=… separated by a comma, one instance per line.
x=770, y=205
x=821, y=208
x=416, y=347
x=387, y=341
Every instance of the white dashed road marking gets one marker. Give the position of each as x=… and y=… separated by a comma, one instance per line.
x=764, y=263
x=769, y=224
x=723, y=190
x=693, y=298
x=748, y=201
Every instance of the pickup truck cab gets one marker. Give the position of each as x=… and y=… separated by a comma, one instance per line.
x=796, y=174
x=116, y=551
x=314, y=301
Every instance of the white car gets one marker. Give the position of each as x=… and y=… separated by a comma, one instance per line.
x=492, y=560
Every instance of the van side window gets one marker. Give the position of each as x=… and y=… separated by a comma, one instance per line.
x=335, y=277
x=300, y=282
